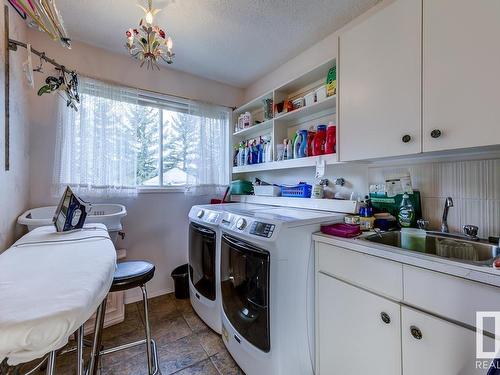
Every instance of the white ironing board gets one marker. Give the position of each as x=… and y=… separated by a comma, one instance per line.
x=50, y=284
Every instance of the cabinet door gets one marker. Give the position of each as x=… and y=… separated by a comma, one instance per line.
x=444, y=347
x=461, y=73
x=351, y=335
x=380, y=84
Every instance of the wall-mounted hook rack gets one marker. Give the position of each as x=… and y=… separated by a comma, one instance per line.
x=13, y=45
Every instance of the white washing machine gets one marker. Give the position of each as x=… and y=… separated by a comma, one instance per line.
x=204, y=258
x=267, y=289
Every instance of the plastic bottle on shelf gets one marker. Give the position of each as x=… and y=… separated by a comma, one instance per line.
x=289, y=152
x=319, y=141
x=331, y=138
x=303, y=144
x=310, y=139
x=296, y=144
x=246, y=154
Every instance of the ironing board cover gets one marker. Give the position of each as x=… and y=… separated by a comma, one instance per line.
x=50, y=284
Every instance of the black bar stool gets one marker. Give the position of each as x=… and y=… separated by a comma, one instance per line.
x=128, y=275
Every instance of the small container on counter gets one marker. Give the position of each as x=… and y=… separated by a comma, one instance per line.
x=352, y=219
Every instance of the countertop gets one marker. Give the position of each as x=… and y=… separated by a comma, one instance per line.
x=486, y=275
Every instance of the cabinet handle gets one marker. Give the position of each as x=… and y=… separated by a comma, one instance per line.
x=436, y=133
x=406, y=138
x=385, y=317
x=416, y=333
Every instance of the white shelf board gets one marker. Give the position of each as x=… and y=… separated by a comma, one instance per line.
x=332, y=205
x=254, y=104
x=307, y=111
x=262, y=128
x=287, y=164
x=316, y=74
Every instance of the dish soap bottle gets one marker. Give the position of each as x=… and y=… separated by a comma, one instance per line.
x=406, y=212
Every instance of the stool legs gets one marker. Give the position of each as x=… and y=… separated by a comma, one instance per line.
x=79, y=350
x=51, y=364
x=148, y=329
x=96, y=346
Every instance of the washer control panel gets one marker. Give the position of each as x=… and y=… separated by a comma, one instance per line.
x=262, y=229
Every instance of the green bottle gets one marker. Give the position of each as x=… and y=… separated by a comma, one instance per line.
x=406, y=214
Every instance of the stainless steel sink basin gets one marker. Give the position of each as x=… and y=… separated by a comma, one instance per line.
x=443, y=246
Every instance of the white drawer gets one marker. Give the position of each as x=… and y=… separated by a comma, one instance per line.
x=448, y=296
x=381, y=276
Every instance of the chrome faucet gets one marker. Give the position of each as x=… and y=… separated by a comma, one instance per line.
x=444, y=223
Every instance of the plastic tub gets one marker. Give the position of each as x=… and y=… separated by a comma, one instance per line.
x=181, y=281
x=321, y=93
x=310, y=98
x=241, y=187
x=302, y=190
x=267, y=191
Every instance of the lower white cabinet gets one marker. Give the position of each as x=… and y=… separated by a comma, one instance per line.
x=433, y=346
x=358, y=331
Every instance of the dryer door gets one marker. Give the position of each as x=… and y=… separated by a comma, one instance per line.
x=202, y=243
x=245, y=290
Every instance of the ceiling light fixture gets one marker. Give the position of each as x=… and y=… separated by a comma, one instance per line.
x=149, y=43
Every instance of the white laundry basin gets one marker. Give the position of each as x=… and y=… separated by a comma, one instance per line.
x=110, y=215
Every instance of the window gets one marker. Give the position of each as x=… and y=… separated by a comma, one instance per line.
x=121, y=139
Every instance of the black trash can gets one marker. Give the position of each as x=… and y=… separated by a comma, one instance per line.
x=181, y=281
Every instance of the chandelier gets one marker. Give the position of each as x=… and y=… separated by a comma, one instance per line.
x=149, y=43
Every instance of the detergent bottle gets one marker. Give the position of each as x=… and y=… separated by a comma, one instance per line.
x=319, y=141
x=303, y=144
x=296, y=145
x=331, y=138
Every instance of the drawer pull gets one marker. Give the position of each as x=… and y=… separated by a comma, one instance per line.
x=385, y=317
x=416, y=333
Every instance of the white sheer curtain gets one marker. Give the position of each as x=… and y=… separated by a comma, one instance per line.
x=96, y=148
x=210, y=166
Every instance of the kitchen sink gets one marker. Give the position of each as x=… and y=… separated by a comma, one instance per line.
x=448, y=246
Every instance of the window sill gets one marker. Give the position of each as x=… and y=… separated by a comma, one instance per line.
x=161, y=189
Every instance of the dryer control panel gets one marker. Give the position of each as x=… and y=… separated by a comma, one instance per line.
x=262, y=229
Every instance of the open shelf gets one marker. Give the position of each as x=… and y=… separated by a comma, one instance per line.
x=253, y=105
x=330, y=103
x=259, y=129
x=287, y=164
x=317, y=74
x=345, y=206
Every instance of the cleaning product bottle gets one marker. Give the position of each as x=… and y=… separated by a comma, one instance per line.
x=303, y=144
x=246, y=154
x=331, y=138
x=406, y=214
x=296, y=145
x=269, y=152
x=310, y=139
x=289, y=153
x=319, y=141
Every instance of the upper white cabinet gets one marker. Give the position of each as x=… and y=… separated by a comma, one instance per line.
x=380, y=84
x=461, y=55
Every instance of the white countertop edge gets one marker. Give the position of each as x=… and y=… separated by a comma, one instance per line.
x=484, y=275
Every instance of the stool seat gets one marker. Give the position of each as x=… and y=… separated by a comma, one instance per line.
x=131, y=274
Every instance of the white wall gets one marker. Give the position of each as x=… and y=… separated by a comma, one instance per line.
x=14, y=184
x=156, y=225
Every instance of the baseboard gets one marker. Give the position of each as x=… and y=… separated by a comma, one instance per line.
x=136, y=295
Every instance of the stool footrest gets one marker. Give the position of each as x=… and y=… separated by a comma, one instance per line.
x=133, y=344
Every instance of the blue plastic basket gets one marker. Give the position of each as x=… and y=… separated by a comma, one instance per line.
x=302, y=190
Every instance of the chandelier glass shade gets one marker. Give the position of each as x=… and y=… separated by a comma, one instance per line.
x=149, y=43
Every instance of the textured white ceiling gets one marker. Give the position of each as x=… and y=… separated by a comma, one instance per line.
x=231, y=41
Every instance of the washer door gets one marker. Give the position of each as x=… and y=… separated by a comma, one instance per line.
x=245, y=290
x=202, y=243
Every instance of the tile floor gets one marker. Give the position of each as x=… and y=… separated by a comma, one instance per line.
x=185, y=344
